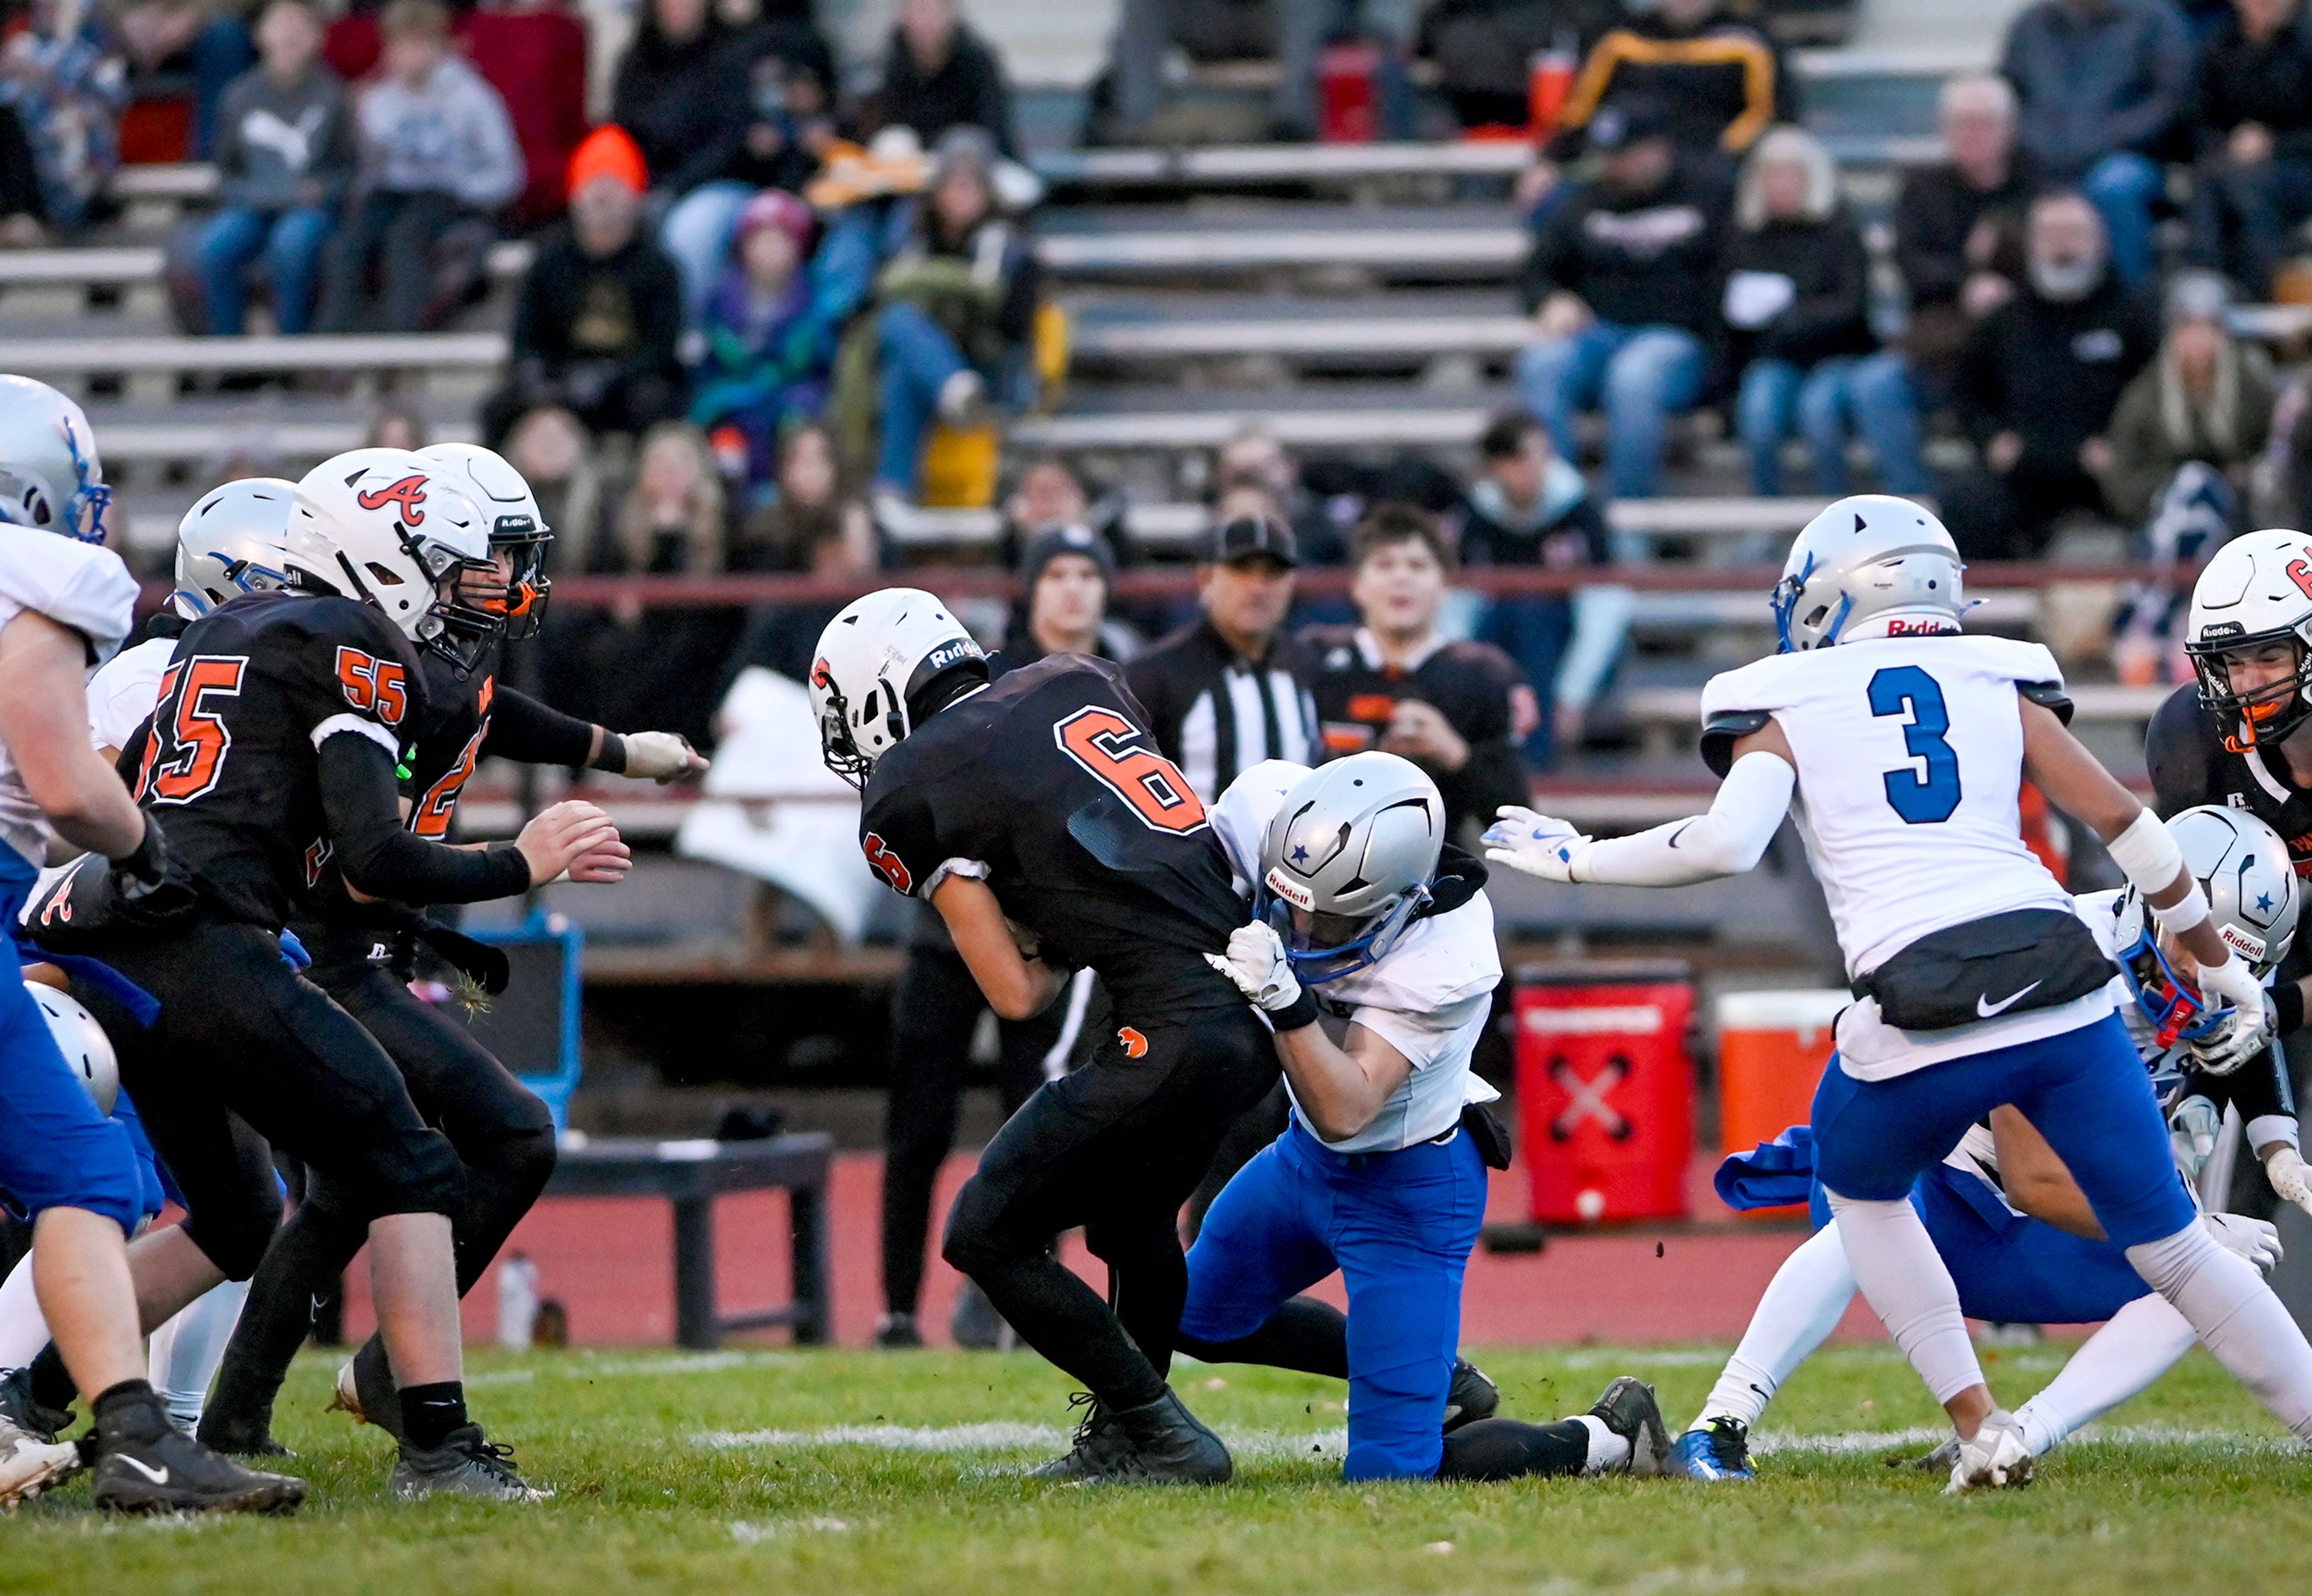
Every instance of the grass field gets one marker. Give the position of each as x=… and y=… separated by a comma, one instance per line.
x=847, y=1471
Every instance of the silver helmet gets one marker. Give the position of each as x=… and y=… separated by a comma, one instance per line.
x=2252, y=901
x=82, y=1042
x=1353, y=847
x=232, y=542
x=1868, y=558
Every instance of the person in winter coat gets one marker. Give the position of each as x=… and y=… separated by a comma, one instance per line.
x=2207, y=400
x=1797, y=329
x=2253, y=185
x=679, y=94
x=768, y=356
x=940, y=74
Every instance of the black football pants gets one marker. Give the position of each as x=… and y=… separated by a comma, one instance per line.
x=1115, y=1147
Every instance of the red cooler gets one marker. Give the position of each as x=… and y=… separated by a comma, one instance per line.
x=1605, y=1090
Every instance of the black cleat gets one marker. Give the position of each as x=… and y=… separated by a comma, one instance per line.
x=466, y=1464
x=896, y=1332
x=1473, y=1397
x=148, y=1468
x=1628, y=1408
x=27, y=1412
x=240, y=1441
x=1161, y=1443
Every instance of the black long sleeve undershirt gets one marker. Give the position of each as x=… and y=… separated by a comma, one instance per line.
x=360, y=804
x=528, y=732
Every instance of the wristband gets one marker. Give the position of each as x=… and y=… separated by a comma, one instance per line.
x=2148, y=854
x=1300, y=1011
x=2182, y=916
x=2286, y=1000
x=612, y=759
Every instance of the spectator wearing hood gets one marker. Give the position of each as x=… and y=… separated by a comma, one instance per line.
x=2038, y=382
x=600, y=314
x=940, y=74
x=767, y=355
x=438, y=157
x=1798, y=328
x=1623, y=280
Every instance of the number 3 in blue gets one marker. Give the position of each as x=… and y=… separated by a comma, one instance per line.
x=1905, y=689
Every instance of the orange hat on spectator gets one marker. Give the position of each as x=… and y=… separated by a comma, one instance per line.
x=610, y=152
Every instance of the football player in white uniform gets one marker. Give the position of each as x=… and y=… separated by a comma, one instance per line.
x=2007, y=1218
x=1977, y=985
x=1381, y=1174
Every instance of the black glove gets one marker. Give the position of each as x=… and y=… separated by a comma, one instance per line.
x=152, y=882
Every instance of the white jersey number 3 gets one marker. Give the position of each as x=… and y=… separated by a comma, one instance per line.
x=1921, y=799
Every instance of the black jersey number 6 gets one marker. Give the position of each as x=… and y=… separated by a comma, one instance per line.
x=1100, y=741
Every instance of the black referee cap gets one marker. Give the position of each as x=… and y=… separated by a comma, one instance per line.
x=1251, y=537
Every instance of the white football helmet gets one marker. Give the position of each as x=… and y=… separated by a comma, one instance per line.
x=2254, y=899
x=1869, y=558
x=232, y=543
x=50, y=477
x=2256, y=590
x=395, y=529
x=518, y=533
x=1357, y=841
x=875, y=675
x=82, y=1042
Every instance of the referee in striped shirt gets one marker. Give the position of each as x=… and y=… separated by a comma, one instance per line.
x=1229, y=691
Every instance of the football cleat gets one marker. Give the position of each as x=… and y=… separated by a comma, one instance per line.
x=896, y=1332
x=159, y=1469
x=1938, y=1461
x=1628, y=1408
x=343, y=1398
x=27, y=1412
x=466, y=1464
x=28, y=1465
x=1161, y=1443
x=235, y=1442
x=1717, y=1451
x=365, y=1390
x=1473, y=1397
x=1997, y=1458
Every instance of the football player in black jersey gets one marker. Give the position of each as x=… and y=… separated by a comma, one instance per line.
x=272, y=750
x=2241, y=735
x=364, y=952
x=1036, y=817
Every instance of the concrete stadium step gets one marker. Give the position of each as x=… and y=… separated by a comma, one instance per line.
x=150, y=369
x=1436, y=243
x=285, y=434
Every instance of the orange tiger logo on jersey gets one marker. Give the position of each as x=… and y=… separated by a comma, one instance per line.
x=1134, y=1044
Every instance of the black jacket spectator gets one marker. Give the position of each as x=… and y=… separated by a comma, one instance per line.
x=683, y=100
x=596, y=334
x=964, y=90
x=2096, y=78
x=1636, y=259
x=1469, y=683
x=1724, y=80
x=1830, y=273
x=2267, y=82
x=2052, y=372
x=1934, y=215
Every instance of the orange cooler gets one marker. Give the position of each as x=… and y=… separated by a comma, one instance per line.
x=1605, y=1090
x=1771, y=1047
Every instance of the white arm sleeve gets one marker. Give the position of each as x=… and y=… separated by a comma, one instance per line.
x=1729, y=840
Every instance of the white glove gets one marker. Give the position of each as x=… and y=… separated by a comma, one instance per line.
x=2192, y=1127
x=1537, y=845
x=2234, y=985
x=2254, y=1239
x=660, y=755
x=1257, y=963
x=2289, y=1176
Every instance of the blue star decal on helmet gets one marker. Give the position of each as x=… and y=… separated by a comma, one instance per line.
x=2263, y=903
x=1300, y=854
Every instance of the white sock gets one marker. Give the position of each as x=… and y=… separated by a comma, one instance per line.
x=1607, y=1450
x=2139, y=1344
x=185, y=1351
x=1905, y=1280
x=2239, y=1319
x=23, y=1329
x=1802, y=1306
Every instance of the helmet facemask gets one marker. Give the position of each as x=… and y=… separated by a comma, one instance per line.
x=2263, y=714
x=517, y=589
x=2172, y=1005
x=452, y=630
x=1323, y=948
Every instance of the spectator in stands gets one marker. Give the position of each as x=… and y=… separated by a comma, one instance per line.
x=680, y=96
x=1798, y=327
x=600, y=315
x=172, y=43
x=814, y=525
x=1530, y=507
x=394, y=424
x=24, y=213
x=2252, y=189
x=1148, y=30
x=285, y=155
x=673, y=520
x=2038, y=382
x=550, y=448
x=955, y=314
x=1959, y=228
x=2206, y=400
x=1483, y=50
x=63, y=78
x=1049, y=492
x=767, y=355
x=1718, y=82
x=2104, y=87
x=939, y=74
x=1624, y=281
x=437, y=160
x=1396, y=683
x=1064, y=576
x=1256, y=457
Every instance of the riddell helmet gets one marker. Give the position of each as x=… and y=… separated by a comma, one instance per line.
x=50, y=479
x=2256, y=590
x=82, y=1042
x=883, y=665
x=233, y=542
x=2253, y=902
x=1355, y=840
x=393, y=529
x=1869, y=558
x=517, y=530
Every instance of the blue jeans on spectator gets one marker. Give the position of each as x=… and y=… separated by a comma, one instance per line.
x=1640, y=376
x=1843, y=396
x=291, y=243
x=696, y=237
x=918, y=358
x=2122, y=187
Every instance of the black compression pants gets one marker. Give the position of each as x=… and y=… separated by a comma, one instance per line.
x=503, y=1137
x=1116, y=1147
x=934, y=1009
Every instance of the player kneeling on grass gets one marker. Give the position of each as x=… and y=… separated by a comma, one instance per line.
x=2020, y=1240
x=1978, y=984
x=1361, y=915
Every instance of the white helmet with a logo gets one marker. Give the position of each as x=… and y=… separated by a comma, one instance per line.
x=889, y=660
x=232, y=542
x=395, y=529
x=517, y=530
x=1871, y=565
x=2257, y=591
x=2254, y=899
x=50, y=479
